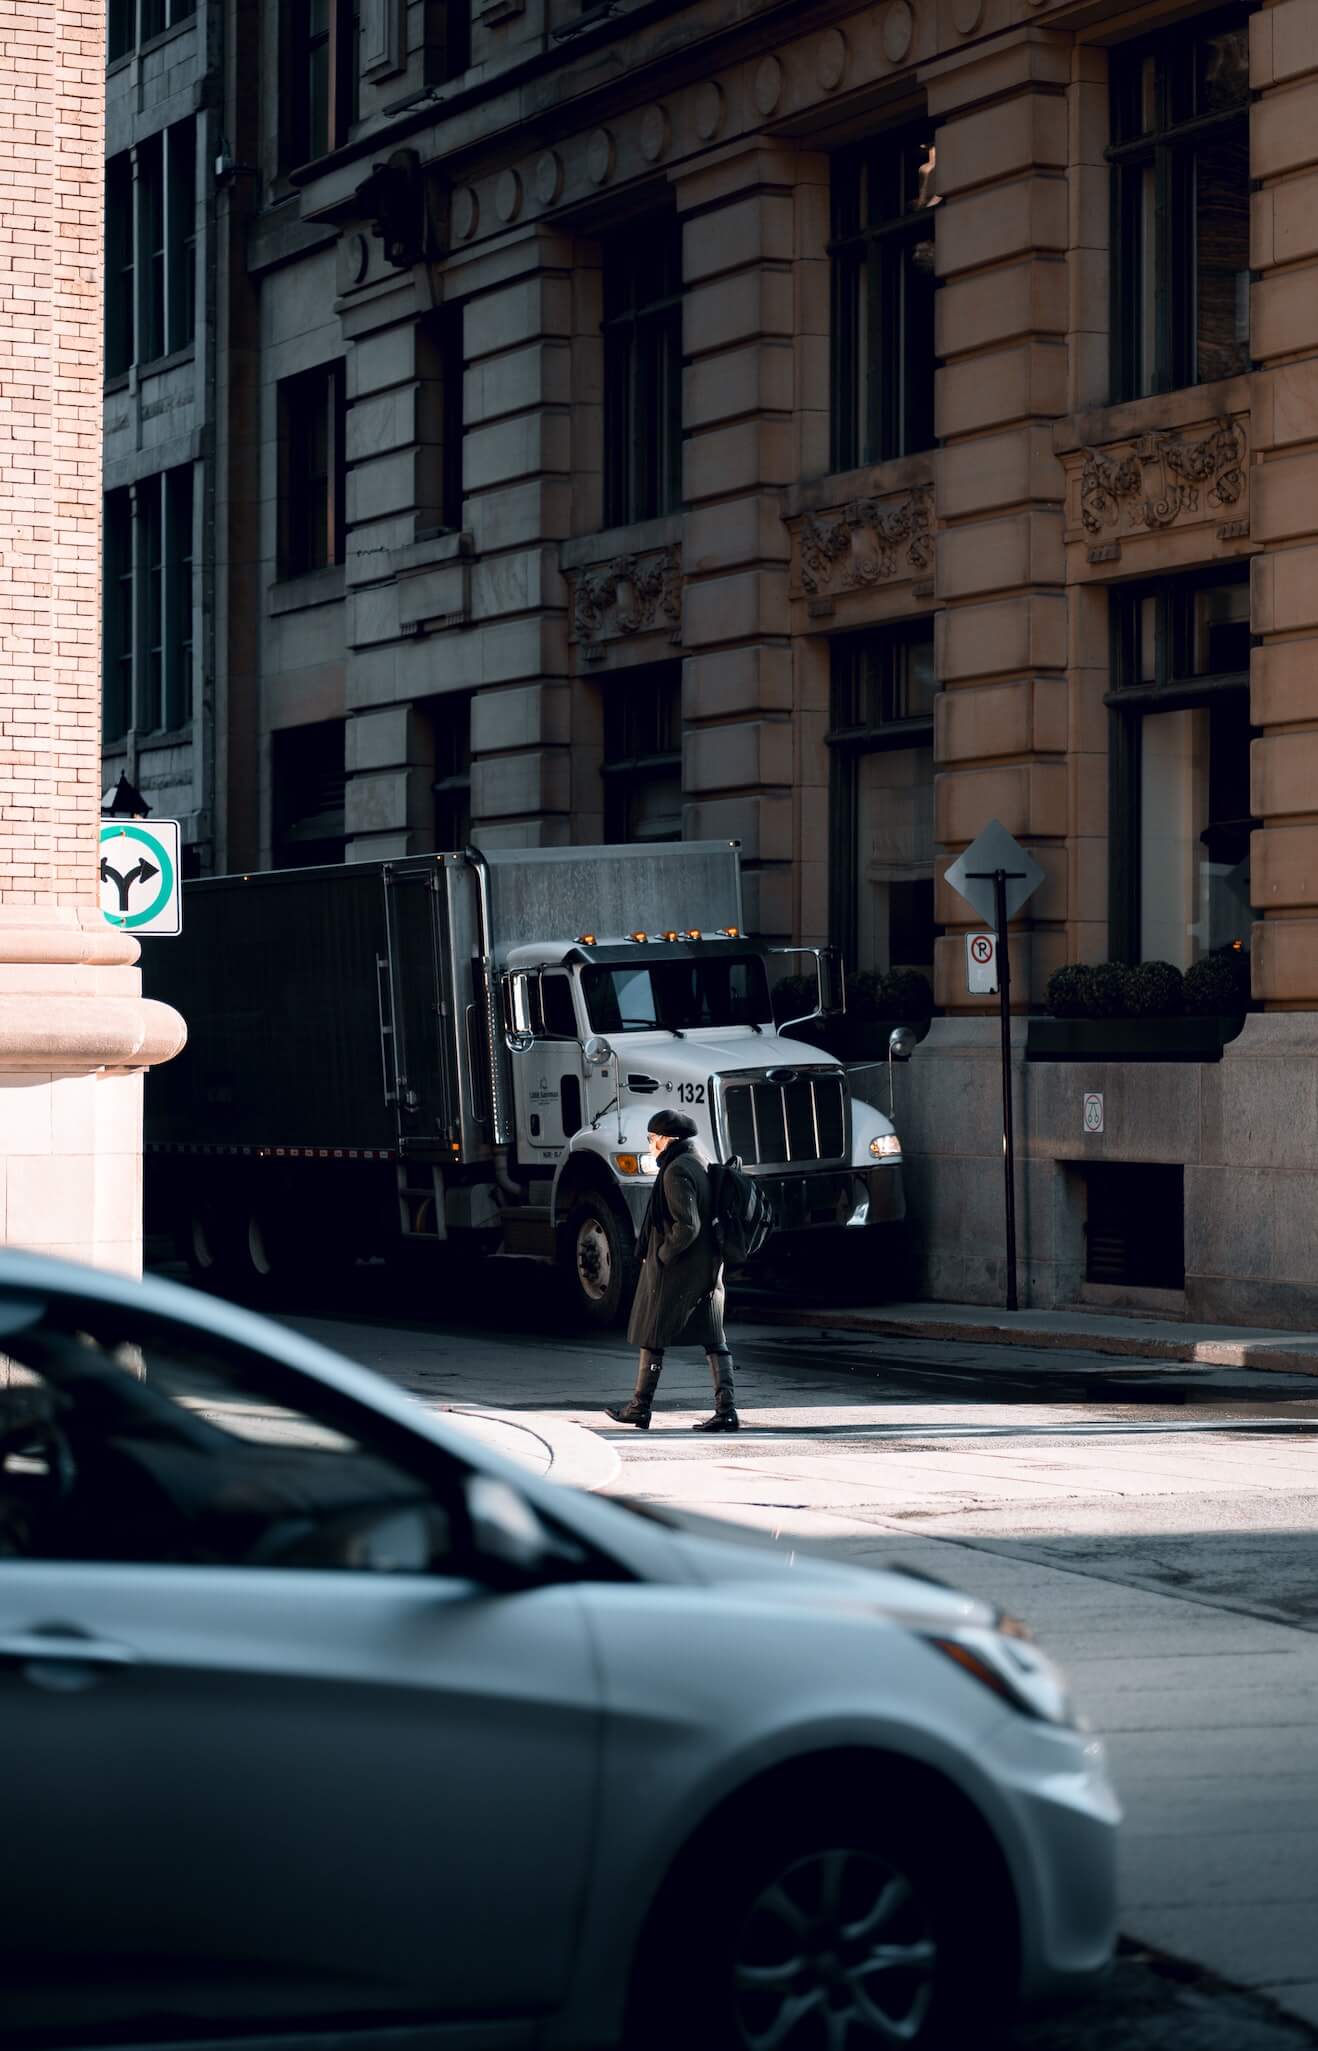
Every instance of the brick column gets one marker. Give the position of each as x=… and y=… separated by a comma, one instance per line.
x=75, y=1033
x=1284, y=502
x=756, y=277
x=1001, y=720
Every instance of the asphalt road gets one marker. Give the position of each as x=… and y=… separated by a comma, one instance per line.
x=1158, y=1527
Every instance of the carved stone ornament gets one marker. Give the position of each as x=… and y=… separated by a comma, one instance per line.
x=868, y=542
x=628, y=595
x=1162, y=478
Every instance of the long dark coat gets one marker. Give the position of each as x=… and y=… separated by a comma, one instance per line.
x=679, y=1298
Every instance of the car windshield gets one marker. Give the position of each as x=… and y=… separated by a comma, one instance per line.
x=720, y=990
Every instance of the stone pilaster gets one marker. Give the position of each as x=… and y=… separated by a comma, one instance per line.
x=755, y=228
x=1003, y=312
x=75, y=1033
x=1284, y=501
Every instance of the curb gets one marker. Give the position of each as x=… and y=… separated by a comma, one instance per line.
x=1276, y=1356
x=550, y=1446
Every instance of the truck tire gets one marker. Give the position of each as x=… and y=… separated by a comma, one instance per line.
x=597, y=1259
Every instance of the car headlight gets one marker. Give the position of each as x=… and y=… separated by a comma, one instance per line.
x=885, y=1146
x=635, y=1164
x=1006, y=1661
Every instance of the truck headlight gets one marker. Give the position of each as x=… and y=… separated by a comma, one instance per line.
x=885, y=1146
x=635, y=1164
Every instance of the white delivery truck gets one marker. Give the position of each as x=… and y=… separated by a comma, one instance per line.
x=469, y=1046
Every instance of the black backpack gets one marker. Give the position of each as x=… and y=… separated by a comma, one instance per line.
x=742, y=1214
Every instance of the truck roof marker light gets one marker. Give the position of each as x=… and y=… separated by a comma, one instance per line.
x=585, y=939
x=729, y=932
x=692, y=933
x=670, y=936
x=638, y=936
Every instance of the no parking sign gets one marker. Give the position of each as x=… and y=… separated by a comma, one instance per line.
x=140, y=890
x=981, y=963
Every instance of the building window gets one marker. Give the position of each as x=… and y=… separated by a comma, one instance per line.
x=120, y=289
x=881, y=854
x=312, y=476
x=883, y=298
x=117, y=616
x=1180, y=158
x=643, y=756
x=130, y=25
x=440, y=370
x=306, y=795
x=643, y=371
x=319, y=77
x=1180, y=822
x=150, y=249
x=451, y=727
x=147, y=638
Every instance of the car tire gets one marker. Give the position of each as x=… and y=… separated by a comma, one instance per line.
x=855, y=1925
x=597, y=1261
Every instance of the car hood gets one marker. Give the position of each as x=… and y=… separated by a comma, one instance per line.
x=759, y=1565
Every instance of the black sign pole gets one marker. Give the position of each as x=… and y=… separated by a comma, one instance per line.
x=999, y=879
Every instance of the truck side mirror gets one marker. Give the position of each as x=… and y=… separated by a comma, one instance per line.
x=901, y=1043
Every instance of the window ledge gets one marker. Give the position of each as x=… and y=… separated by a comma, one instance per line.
x=299, y=594
x=875, y=480
x=638, y=538
x=118, y=383
x=446, y=545
x=118, y=64
x=1126, y=421
x=167, y=35
x=173, y=361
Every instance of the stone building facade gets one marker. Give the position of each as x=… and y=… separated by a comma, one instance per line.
x=831, y=427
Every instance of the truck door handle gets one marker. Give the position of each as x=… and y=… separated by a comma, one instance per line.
x=63, y=1654
x=388, y=1038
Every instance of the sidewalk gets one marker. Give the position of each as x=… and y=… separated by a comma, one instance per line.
x=1067, y=1331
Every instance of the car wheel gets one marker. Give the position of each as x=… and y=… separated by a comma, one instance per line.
x=836, y=1936
x=598, y=1262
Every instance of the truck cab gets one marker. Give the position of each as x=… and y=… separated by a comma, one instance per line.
x=603, y=1031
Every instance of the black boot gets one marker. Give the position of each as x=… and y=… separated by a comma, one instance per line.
x=637, y=1412
x=725, y=1416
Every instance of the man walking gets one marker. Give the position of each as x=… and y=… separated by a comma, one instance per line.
x=679, y=1299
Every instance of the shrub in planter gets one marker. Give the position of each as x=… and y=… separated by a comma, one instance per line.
x=1153, y=989
x=1107, y=990
x=1069, y=994
x=865, y=994
x=907, y=998
x=1217, y=985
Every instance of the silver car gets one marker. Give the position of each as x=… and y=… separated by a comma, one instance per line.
x=324, y=1725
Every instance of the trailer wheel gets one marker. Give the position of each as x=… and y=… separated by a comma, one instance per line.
x=598, y=1261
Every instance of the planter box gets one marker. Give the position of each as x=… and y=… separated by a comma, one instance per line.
x=1129, y=1039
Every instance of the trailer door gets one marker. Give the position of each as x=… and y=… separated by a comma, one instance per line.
x=415, y=1009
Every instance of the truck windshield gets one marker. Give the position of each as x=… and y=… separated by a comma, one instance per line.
x=714, y=991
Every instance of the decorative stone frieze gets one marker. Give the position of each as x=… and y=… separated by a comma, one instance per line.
x=1160, y=479
x=868, y=541
x=626, y=596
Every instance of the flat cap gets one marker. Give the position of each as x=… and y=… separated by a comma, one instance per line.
x=672, y=1125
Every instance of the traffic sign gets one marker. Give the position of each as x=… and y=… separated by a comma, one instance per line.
x=140, y=887
x=1093, y=1111
x=981, y=964
x=971, y=874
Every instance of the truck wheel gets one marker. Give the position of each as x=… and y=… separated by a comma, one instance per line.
x=598, y=1260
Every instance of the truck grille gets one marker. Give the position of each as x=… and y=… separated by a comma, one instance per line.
x=795, y=1116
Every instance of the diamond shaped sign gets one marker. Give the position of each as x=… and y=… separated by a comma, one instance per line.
x=971, y=874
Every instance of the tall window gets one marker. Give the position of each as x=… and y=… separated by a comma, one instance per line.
x=312, y=477
x=881, y=854
x=147, y=642
x=643, y=371
x=1180, y=822
x=133, y=22
x=150, y=249
x=318, y=78
x=1180, y=158
x=883, y=298
x=643, y=755
x=306, y=795
x=451, y=725
x=440, y=369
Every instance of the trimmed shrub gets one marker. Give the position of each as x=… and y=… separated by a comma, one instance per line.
x=1217, y=985
x=1069, y=994
x=1107, y=989
x=907, y=997
x=794, y=997
x=1154, y=989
